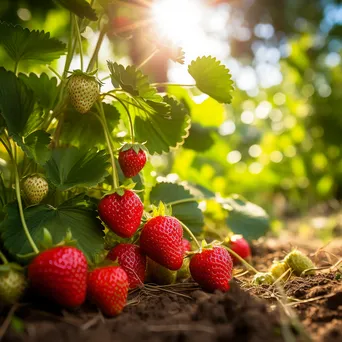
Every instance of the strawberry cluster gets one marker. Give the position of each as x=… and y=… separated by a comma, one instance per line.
x=159, y=253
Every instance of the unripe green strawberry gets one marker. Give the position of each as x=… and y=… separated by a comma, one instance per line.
x=278, y=269
x=12, y=286
x=35, y=188
x=299, y=262
x=184, y=271
x=83, y=90
x=263, y=278
x=159, y=274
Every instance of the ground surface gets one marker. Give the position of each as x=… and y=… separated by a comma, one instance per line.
x=302, y=308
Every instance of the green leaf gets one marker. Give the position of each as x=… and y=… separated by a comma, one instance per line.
x=133, y=81
x=199, y=139
x=85, y=129
x=162, y=131
x=78, y=215
x=44, y=88
x=70, y=167
x=246, y=218
x=212, y=78
x=188, y=212
x=80, y=7
x=23, y=44
x=16, y=102
x=36, y=146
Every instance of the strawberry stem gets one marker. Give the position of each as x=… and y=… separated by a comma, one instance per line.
x=129, y=118
x=166, y=84
x=79, y=39
x=3, y=258
x=188, y=200
x=146, y=60
x=103, y=121
x=191, y=234
x=243, y=261
x=20, y=204
x=97, y=49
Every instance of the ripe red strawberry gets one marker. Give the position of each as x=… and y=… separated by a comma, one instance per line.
x=108, y=288
x=132, y=159
x=35, y=188
x=212, y=269
x=83, y=90
x=240, y=246
x=60, y=274
x=161, y=240
x=186, y=245
x=132, y=261
x=122, y=214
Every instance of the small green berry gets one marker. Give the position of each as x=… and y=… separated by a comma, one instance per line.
x=35, y=188
x=263, y=278
x=299, y=262
x=278, y=269
x=12, y=286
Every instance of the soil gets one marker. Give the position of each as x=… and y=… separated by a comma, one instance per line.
x=304, y=309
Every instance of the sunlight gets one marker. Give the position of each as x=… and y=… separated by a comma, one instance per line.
x=178, y=20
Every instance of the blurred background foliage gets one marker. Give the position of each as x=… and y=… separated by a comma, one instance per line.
x=279, y=142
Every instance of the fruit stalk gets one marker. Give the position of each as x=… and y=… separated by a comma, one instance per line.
x=191, y=234
x=243, y=261
x=79, y=39
x=103, y=121
x=129, y=118
x=3, y=258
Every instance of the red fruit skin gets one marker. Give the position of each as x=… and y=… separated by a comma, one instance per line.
x=212, y=269
x=132, y=163
x=241, y=247
x=132, y=260
x=186, y=245
x=108, y=289
x=122, y=214
x=60, y=274
x=161, y=240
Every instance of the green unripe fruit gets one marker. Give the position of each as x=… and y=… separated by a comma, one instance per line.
x=299, y=262
x=278, y=269
x=35, y=188
x=12, y=286
x=159, y=274
x=184, y=271
x=263, y=278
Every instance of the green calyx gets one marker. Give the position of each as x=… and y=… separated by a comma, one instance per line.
x=135, y=147
x=161, y=210
x=47, y=241
x=90, y=75
x=121, y=189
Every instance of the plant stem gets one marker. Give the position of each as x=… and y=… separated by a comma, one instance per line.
x=16, y=64
x=129, y=118
x=70, y=47
x=191, y=234
x=164, y=84
x=97, y=49
x=79, y=39
x=103, y=121
x=187, y=200
x=20, y=205
x=146, y=60
x=3, y=258
x=55, y=72
x=243, y=261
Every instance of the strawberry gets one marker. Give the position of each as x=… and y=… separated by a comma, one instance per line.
x=132, y=159
x=108, y=289
x=132, y=261
x=35, y=188
x=60, y=273
x=12, y=284
x=83, y=90
x=186, y=245
x=122, y=214
x=212, y=269
x=159, y=274
x=240, y=246
x=161, y=240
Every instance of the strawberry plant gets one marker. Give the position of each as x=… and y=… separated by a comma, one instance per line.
x=78, y=162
